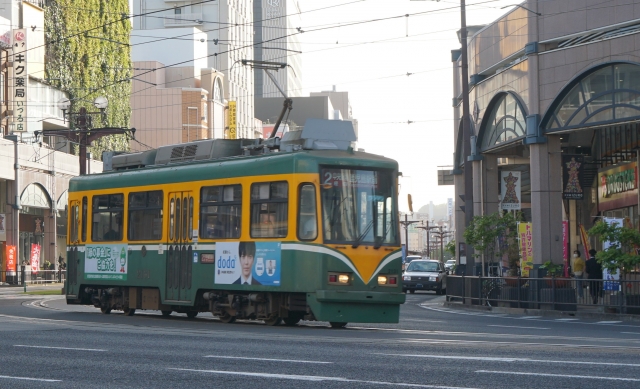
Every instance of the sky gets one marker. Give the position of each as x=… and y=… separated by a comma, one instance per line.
x=371, y=61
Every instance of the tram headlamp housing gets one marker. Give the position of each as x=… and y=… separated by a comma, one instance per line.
x=339, y=279
x=388, y=280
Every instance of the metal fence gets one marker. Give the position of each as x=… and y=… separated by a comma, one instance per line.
x=563, y=294
x=15, y=278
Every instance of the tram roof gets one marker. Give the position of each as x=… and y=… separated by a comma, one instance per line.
x=306, y=161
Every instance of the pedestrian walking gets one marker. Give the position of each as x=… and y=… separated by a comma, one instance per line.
x=594, y=272
x=578, y=271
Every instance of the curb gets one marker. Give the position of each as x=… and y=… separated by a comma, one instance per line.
x=545, y=313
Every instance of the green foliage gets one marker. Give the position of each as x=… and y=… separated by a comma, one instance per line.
x=621, y=253
x=86, y=67
x=451, y=247
x=485, y=232
x=552, y=269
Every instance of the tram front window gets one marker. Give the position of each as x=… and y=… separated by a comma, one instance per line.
x=358, y=207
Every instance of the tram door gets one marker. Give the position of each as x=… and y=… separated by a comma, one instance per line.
x=180, y=250
x=72, y=249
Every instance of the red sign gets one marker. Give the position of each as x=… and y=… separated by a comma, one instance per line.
x=11, y=264
x=35, y=257
x=565, y=247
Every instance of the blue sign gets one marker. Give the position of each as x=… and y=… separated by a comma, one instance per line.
x=266, y=268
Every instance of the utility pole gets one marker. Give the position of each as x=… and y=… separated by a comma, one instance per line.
x=440, y=235
x=427, y=229
x=83, y=134
x=466, y=128
x=406, y=223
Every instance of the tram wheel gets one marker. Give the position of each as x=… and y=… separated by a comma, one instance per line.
x=129, y=311
x=105, y=310
x=166, y=313
x=273, y=320
x=226, y=318
x=291, y=320
x=192, y=314
x=338, y=324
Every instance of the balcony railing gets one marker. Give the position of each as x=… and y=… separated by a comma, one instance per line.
x=183, y=20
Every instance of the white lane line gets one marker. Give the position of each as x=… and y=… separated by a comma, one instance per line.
x=28, y=379
x=507, y=359
x=609, y=322
x=561, y=375
x=631, y=333
x=423, y=320
x=529, y=317
x=527, y=328
x=314, y=378
x=59, y=348
x=264, y=359
x=566, y=319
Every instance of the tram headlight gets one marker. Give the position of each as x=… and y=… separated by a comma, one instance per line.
x=382, y=280
x=387, y=280
x=339, y=278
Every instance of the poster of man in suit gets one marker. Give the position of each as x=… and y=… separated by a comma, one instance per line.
x=248, y=263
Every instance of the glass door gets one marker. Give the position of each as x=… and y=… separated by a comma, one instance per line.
x=180, y=250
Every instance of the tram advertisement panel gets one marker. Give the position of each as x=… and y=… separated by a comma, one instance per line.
x=106, y=262
x=248, y=263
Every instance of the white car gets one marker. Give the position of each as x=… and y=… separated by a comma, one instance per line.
x=448, y=266
x=424, y=274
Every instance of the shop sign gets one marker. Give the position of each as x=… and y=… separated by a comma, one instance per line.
x=618, y=187
x=11, y=264
x=572, y=177
x=3, y=231
x=19, y=80
x=526, y=248
x=35, y=258
x=511, y=190
x=618, y=182
x=232, y=120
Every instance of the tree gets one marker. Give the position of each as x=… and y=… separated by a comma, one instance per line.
x=451, y=247
x=491, y=235
x=623, y=242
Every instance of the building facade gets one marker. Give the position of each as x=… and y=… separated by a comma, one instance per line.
x=183, y=104
x=276, y=40
x=554, y=111
x=219, y=33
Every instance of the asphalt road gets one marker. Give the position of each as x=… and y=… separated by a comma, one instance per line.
x=47, y=344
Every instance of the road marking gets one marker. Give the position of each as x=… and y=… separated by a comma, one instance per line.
x=560, y=375
x=529, y=317
x=566, y=319
x=631, y=333
x=609, y=322
x=28, y=379
x=264, y=359
x=507, y=359
x=527, y=328
x=424, y=320
x=59, y=348
x=316, y=378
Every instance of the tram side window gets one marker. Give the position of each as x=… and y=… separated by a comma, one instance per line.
x=220, y=211
x=107, y=217
x=85, y=211
x=269, y=209
x=73, y=223
x=307, y=214
x=145, y=215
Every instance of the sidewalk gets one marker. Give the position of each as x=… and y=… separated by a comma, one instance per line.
x=14, y=290
x=584, y=312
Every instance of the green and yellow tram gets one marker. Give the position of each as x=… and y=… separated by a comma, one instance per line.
x=299, y=228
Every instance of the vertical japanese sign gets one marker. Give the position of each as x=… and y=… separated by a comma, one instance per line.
x=3, y=230
x=233, y=125
x=11, y=265
x=511, y=188
x=526, y=248
x=19, y=80
x=449, y=207
x=35, y=257
x=565, y=246
x=572, y=172
x=611, y=279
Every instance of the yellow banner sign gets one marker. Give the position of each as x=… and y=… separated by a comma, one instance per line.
x=233, y=130
x=526, y=248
